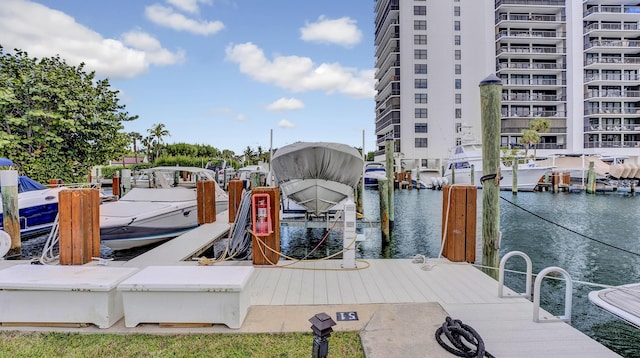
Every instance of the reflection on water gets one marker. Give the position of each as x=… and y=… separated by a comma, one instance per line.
x=569, y=230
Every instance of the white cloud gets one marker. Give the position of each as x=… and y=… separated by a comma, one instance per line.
x=152, y=48
x=44, y=32
x=299, y=74
x=240, y=117
x=285, y=124
x=190, y=6
x=167, y=17
x=286, y=104
x=342, y=31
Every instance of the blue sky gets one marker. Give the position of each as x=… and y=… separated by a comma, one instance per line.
x=218, y=72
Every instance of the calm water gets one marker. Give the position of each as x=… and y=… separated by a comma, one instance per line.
x=552, y=229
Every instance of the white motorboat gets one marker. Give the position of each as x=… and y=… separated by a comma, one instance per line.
x=469, y=154
x=373, y=171
x=622, y=301
x=37, y=207
x=317, y=175
x=159, y=210
x=427, y=178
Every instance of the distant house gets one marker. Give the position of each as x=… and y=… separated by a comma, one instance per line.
x=129, y=161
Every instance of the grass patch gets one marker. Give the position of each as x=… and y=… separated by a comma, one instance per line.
x=285, y=345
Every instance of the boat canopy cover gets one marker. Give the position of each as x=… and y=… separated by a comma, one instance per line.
x=317, y=175
x=4, y=162
x=318, y=160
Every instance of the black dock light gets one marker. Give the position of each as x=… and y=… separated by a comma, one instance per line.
x=321, y=325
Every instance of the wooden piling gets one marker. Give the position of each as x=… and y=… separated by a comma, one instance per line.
x=79, y=225
x=389, y=171
x=255, y=180
x=383, y=190
x=514, y=181
x=591, y=179
x=265, y=250
x=490, y=104
x=115, y=184
x=206, y=201
x=10, y=210
x=235, y=196
x=358, y=196
x=459, y=222
x=54, y=183
x=555, y=182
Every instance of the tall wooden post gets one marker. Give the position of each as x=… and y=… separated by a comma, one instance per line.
x=514, y=173
x=235, y=196
x=359, y=194
x=390, y=168
x=10, y=210
x=591, y=179
x=255, y=180
x=383, y=186
x=490, y=103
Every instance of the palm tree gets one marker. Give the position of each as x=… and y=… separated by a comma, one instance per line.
x=135, y=137
x=529, y=136
x=540, y=125
x=248, y=156
x=157, y=132
x=147, y=142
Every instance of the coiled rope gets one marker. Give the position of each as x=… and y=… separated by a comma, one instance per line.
x=465, y=340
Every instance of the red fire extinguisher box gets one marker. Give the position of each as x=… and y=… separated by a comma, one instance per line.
x=266, y=225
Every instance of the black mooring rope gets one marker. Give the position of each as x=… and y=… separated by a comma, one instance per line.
x=456, y=331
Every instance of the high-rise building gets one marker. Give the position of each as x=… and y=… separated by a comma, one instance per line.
x=574, y=62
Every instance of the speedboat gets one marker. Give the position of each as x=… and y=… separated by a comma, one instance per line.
x=164, y=207
x=467, y=155
x=622, y=301
x=317, y=175
x=373, y=171
x=37, y=207
x=426, y=178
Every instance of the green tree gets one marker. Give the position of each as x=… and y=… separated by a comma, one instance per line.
x=248, y=156
x=135, y=138
x=57, y=120
x=157, y=133
x=529, y=137
x=540, y=125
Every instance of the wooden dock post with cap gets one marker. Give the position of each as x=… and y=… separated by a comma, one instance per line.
x=10, y=210
x=79, y=212
x=390, y=167
x=206, y=201
x=490, y=104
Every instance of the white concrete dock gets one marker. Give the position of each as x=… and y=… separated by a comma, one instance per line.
x=396, y=294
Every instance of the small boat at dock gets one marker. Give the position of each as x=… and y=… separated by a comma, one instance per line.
x=317, y=175
x=468, y=155
x=164, y=207
x=373, y=171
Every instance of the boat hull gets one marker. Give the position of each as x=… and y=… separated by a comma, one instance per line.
x=528, y=178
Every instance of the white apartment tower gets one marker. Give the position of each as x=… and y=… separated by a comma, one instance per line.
x=574, y=62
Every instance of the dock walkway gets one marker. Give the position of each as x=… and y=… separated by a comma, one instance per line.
x=399, y=304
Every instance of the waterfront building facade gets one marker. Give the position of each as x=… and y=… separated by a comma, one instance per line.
x=574, y=62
